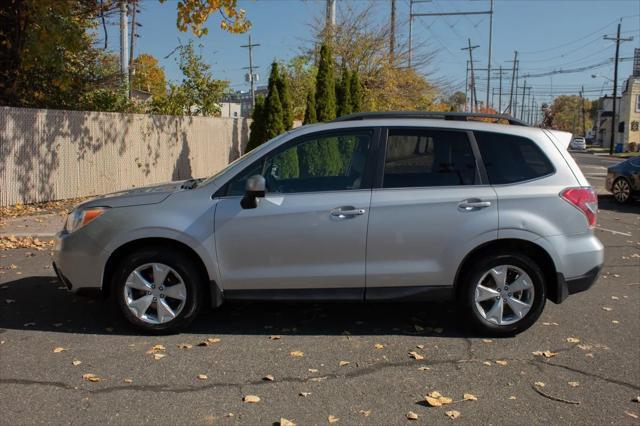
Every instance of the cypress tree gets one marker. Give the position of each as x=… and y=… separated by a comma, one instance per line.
x=310, y=110
x=285, y=100
x=257, y=135
x=356, y=92
x=273, y=107
x=343, y=92
x=325, y=87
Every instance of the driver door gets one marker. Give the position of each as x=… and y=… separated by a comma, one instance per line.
x=307, y=237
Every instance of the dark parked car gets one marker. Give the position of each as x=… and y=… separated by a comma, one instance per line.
x=623, y=180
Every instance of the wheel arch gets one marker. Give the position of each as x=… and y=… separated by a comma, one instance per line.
x=212, y=292
x=528, y=248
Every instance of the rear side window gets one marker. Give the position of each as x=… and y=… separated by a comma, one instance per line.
x=424, y=158
x=510, y=159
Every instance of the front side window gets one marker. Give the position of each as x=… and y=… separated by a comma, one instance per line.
x=510, y=159
x=333, y=162
x=424, y=158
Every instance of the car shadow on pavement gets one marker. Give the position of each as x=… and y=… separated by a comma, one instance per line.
x=606, y=202
x=41, y=303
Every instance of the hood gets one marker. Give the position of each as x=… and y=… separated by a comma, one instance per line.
x=152, y=194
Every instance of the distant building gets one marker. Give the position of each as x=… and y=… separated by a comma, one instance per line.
x=230, y=109
x=629, y=117
x=244, y=99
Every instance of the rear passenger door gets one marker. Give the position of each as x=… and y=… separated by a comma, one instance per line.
x=429, y=207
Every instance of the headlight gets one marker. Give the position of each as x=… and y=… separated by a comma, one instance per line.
x=81, y=217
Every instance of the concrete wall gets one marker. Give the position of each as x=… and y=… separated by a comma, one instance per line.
x=49, y=154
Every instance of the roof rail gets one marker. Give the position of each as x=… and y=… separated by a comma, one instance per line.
x=453, y=116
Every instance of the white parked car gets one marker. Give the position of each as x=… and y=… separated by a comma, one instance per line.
x=578, y=143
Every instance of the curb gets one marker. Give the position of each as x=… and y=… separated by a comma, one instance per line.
x=28, y=235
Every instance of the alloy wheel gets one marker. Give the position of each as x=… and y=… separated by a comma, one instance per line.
x=504, y=295
x=155, y=293
x=621, y=190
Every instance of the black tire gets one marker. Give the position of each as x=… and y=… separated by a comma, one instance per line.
x=474, y=273
x=616, y=188
x=180, y=262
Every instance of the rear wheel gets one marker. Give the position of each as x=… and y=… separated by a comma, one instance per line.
x=158, y=291
x=621, y=190
x=503, y=293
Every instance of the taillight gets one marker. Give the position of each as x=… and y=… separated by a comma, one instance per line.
x=585, y=200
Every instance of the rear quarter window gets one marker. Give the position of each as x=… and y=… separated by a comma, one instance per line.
x=511, y=159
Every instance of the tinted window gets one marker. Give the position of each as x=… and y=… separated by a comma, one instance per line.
x=510, y=159
x=321, y=163
x=419, y=158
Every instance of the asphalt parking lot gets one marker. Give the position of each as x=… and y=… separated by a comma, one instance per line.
x=341, y=363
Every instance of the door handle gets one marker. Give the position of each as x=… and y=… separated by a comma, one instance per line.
x=473, y=204
x=347, y=212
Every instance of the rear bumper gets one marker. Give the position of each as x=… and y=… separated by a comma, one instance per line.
x=575, y=285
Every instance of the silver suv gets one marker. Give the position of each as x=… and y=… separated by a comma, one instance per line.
x=370, y=207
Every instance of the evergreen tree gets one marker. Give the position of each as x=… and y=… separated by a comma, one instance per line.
x=285, y=99
x=273, y=107
x=343, y=93
x=310, y=110
x=356, y=92
x=325, y=86
x=257, y=135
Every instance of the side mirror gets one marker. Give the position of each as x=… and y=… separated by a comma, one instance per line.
x=254, y=188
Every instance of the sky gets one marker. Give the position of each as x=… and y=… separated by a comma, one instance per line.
x=550, y=35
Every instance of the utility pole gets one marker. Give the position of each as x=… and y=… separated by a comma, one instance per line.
x=124, y=44
x=513, y=77
x=466, y=88
x=473, y=78
x=524, y=90
x=132, y=70
x=330, y=18
x=392, y=33
x=515, y=95
x=500, y=93
x=584, y=126
x=531, y=98
x=489, y=56
x=617, y=39
x=250, y=46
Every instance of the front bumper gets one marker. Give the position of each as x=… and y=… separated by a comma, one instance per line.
x=78, y=262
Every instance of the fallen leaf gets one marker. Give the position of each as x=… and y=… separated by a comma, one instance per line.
x=251, y=399
x=269, y=378
x=501, y=362
x=210, y=341
x=58, y=350
x=304, y=394
x=420, y=346
x=512, y=397
x=158, y=356
x=411, y=416
x=546, y=354
x=424, y=368
x=378, y=346
x=202, y=377
x=573, y=340
x=296, y=354
x=435, y=399
x=128, y=381
x=606, y=308
x=615, y=298
x=91, y=377
x=469, y=397
x=185, y=346
x=313, y=370
x=487, y=340
x=344, y=363
x=275, y=337
x=453, y=414
x=433, y=402
x=285, y=422
x=487, y=363
x=76, y=362
x=156, y=349
x=615, y=321
x=541, y=384
x=550, y=323
x=365, y=413
x=636, y=399
x=332, y=419
x=631, y=414
x=574, y=384
x=415, y=355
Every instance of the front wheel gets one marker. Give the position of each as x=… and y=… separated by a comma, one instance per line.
x=621, y=190
x=503, y=294
x=158, y=291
